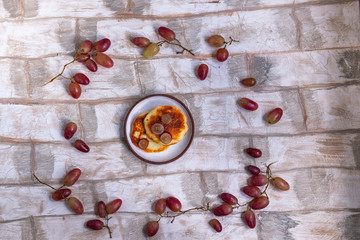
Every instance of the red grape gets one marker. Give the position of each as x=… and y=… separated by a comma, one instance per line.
x=104, y=60
x=250, y=219
x=248, y=82
x=166, y=138
x=160, y=206
x=222, y=54
x=157, y=128
x=280, y=184
x=215, y=224
x=173, y=203
x=223, y=210
x=80, y=57
x=143, y=143
x=167, y=33
x=258, y=180
x=86, y=46
x=203, y=70
x=259, y=203
x=274, y=116
x=75, y=90
x=95, y=224
x=216, y=40
x=113, y=206
x=254, y=170
x=70, y=130
x=166, y=118
x=81, y=146
x=229, y=198
x=75, y=205
x=102, y=45
x=81, y=79
x=71, y=177
x=151, y=50
x=91, y=65
x=254, y=152
x=61, y=194
x=141, y=41
x=152, y=228
x=251, y=191
x=101, y=209
x=248, y=104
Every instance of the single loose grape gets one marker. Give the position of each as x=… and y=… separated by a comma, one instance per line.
x=152, y=228
x=81, y=146
x=274, y=115
x=75, y=205
x=254, y=152
x=151, y=50
x=70, y=130
x=248, y=104
x=203, y=70
x=215, y=224
x=222, y=54
x=248, y=82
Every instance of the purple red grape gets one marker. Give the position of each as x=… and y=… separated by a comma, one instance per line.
x=81, y=146
x=167, y=33
x=280, y=184
x=61, y=194
x=251, y=191
x=216, y=41
x=81, y=57
x=91, y=65
x=248, y=82
x=152, y=228
x=101, y=209
x=259, y=203
x=222, y=54
x=254, y=170
x=249, y=218
x=254, y=152
x=102, y=45
x=75, y=90
x=160, y=206
x=81, y=78
x=104, y=60
x=75, y=205
x=86, y=46
x=95, y=224
x=215, y=224
x=203, y=70
x=113, y=206
x=173, y=203
x=141, y=41
x=229, y=198
x=223, y=210
x=274, y=115
x=71, y=177
x=258, y=180
x=70, y=130
x=248, y=104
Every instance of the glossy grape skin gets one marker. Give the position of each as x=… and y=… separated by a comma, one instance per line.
x=202, y=71
x=61, y=194
x=91, y=65
x=143, y=143
x=70, y=130
x=102, y=45
x=75, y=90
x=71, y=177
x=250, y=218
x=216, y=40
x=141, y=41
x=80, y=57
x=254, y=170
x=280, y=184
x=223, y=210
x=274, y=115
x=229, y=198
x=157, y=128
x=248, y=104
x=101, y=209
x=258, y=180
x=254, y=152
x=152, y=228
x=248, y=82
x=167, y=33
x=173, y=203
x=251, y=191
x=151, y=50
x=165, y=138
x=222, y=54
x=259, y=203
x=81, y=78
x=216, y=225
x=81, y=146
x=95, y=224
x=104, y=60
x=113, y=206
x=86, y=46
x=75, y=205
x=160, y=206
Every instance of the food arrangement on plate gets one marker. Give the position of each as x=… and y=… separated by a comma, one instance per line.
x=158, y=129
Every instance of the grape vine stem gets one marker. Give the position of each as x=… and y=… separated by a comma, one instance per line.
x=203, y=208
x=33, y=173
x=60, y=74
x=107, y=225
x=176, y=44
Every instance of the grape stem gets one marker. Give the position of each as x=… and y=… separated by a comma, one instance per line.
x=60, y=74
x=228, y=43
x=176, y=44
x=107, y=225
x=33, y=173
x=203, y=208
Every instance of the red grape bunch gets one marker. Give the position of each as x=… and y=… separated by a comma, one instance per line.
x=271, y=117
x=218, y=41
x=70, y=130
x=151, y=49
x=86, y=51
x=103, y=211
x=63, y=193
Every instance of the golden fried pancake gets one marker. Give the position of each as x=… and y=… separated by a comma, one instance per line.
x=178, y=126
x=138, y=133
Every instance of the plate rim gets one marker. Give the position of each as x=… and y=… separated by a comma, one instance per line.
x=187, y=146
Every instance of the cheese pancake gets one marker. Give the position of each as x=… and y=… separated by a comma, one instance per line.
x=178, y=126
x=138, y=133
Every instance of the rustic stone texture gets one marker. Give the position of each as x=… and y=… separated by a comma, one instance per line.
x=17, y=230
x=13, y=79
x=329, y=26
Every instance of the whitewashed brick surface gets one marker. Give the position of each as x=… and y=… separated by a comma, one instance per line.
x=305, y=56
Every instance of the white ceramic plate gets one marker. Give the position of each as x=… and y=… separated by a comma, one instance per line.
x=174, y=151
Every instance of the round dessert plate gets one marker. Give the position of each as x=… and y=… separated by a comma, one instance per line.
x=174, y=151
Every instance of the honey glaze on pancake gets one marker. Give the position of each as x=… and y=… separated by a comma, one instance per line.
x=138, y=133
x=177, y=127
